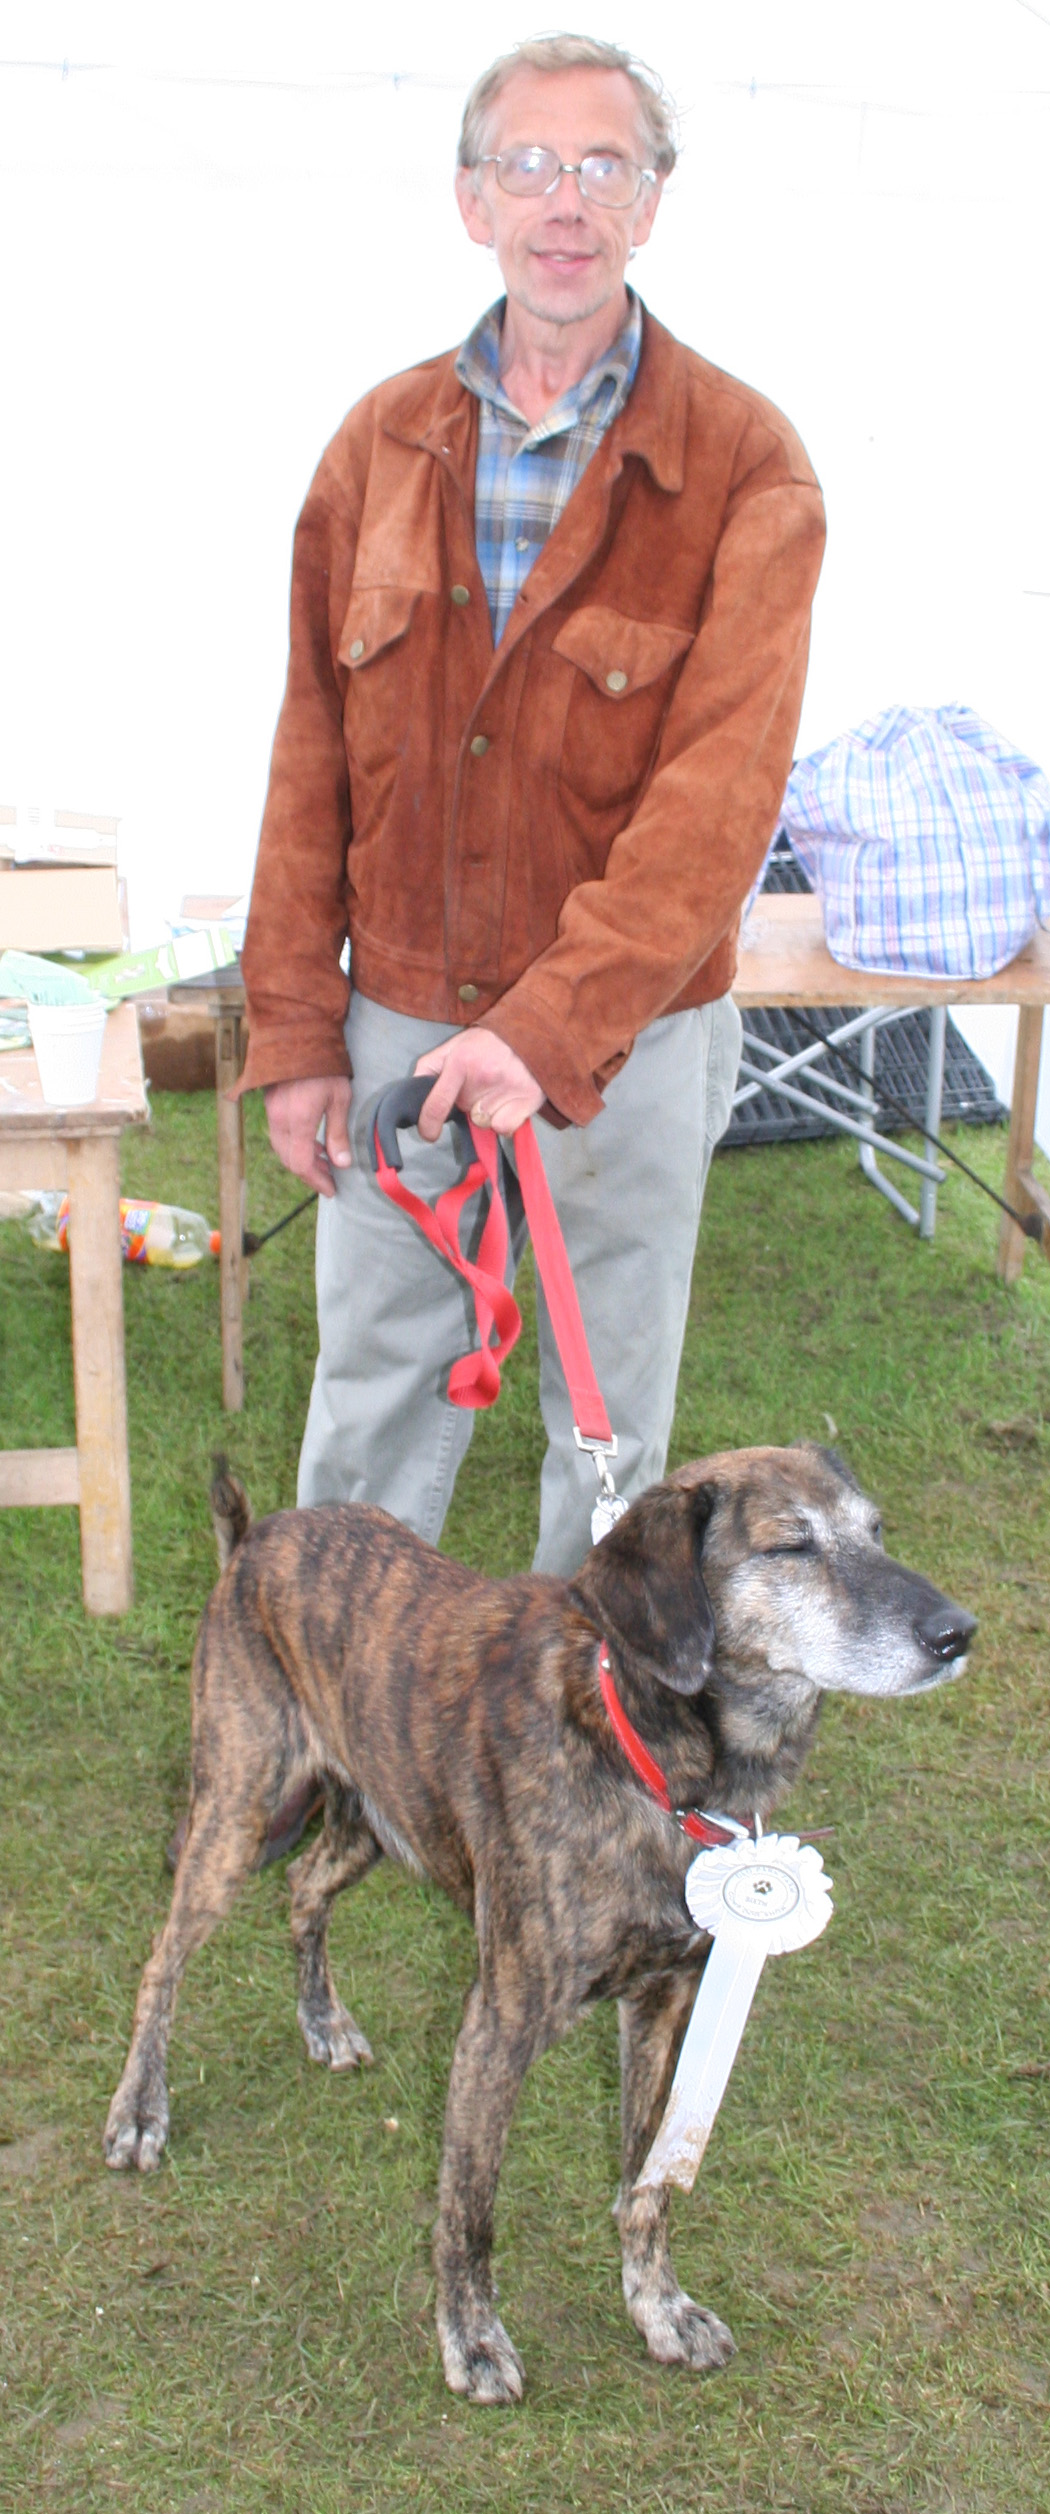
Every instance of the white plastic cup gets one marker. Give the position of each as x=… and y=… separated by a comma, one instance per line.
x=67, y=1043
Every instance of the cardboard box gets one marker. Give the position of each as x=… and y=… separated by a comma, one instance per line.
x=178, y=1044
x=34, y=833
x=59, y=908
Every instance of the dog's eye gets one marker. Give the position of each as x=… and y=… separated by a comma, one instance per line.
x=803, y=1543
x=876, y=1530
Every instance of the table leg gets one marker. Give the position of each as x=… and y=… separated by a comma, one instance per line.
x=867, y=1147
x=934, y=1098
x=230, y=1120
x=1021, y=1189
x=97, y=1301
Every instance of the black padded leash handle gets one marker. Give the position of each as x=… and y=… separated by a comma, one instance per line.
x=400, y=1106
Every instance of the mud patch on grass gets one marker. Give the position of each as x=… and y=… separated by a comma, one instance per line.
x=21, y=2159
x=106, y=2411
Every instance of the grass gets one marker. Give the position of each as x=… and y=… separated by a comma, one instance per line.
x=253, y=2325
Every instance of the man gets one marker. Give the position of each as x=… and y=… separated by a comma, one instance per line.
x=550, y=611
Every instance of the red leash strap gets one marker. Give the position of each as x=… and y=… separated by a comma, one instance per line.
x=588, y=1409
x=474, y=1380
x=705, y=1829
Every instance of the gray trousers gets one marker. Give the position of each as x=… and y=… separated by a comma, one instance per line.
x=393, y=1317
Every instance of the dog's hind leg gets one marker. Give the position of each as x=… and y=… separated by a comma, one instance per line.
x=221, y=1847
x=344, y=1851
x=674, y=2329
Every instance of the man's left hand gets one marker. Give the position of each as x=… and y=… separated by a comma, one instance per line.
x=477, y=1072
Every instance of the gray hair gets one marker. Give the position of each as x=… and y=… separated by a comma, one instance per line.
x=551, y=53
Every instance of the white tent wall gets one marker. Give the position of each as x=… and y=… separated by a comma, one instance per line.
x=223, y=224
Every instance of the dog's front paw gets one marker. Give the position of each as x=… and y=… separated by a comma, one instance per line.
x=332, y=2038
x=480, y=2362
x=680, y=2333
x=137, y=2129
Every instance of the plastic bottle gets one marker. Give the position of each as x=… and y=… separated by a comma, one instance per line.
x=150, y=1234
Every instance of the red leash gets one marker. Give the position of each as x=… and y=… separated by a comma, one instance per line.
x=588, y=1410
x=475, y=1379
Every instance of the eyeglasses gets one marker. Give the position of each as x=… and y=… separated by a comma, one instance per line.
x=612, y=181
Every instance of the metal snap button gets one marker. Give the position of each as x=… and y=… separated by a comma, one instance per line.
x=461, y=594
x=480, y=745
x=468, y=994
x=616, y=680
x=357, y=650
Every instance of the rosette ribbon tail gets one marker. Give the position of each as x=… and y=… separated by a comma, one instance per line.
x=712, y=2039
x=755, y=1898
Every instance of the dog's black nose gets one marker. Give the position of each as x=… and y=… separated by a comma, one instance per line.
x=947, y=1632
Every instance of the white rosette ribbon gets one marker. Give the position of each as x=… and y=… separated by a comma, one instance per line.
x=754, y=1899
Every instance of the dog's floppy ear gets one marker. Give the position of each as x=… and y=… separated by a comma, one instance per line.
x=644, y=1585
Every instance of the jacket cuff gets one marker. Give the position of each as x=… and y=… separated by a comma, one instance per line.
x=296, y=1054
x=570, y=1088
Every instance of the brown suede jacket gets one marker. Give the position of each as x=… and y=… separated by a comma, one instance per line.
x=553, y=837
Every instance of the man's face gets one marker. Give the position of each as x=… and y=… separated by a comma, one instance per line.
x=562, y=257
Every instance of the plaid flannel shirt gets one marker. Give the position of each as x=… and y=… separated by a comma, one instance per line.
x=526, y=475
x=928, y=838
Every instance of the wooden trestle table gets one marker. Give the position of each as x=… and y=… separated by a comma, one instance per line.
x=784, y=960
x=78, y=1150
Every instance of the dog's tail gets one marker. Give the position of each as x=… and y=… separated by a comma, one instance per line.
x=231, y=1510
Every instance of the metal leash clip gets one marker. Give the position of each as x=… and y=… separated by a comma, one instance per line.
x=610, y=1505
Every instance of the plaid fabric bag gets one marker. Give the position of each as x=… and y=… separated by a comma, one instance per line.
x=928, y=839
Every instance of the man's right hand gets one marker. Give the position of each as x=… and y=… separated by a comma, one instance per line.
x=294, y=1111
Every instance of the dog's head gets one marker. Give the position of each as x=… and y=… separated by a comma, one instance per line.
x=765, y=1568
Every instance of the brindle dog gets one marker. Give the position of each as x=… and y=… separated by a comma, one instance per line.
x=458, y=1725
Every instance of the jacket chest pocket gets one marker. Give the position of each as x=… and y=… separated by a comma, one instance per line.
x=373, y=648
x=624, y=676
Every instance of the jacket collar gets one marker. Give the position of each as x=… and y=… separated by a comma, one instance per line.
x=653, y=420
x=439, y=414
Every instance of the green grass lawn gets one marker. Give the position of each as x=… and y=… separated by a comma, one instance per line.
x=252, y=2326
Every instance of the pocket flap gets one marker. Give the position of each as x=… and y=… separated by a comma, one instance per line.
x=618, y=654
x=377, y=614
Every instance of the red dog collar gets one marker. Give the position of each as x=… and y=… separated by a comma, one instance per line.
x=712, y=1831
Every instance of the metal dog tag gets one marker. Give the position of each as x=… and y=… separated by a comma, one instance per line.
x=608, y=1508
x=756, y=1899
